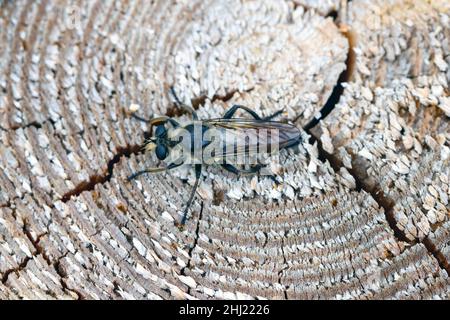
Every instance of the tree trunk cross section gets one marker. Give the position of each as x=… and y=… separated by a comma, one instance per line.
x=363, y=208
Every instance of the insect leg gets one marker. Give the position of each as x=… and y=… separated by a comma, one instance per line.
x=274, y=115
x=174, y=123
x=134, y=115
x=153, y=170
x=274, y=179
x=198, y=171
x=157, y=121
x=162, y=120
x=253, y=169
x=229, y=114
x=182, y=105
x=233, y=169
x=230, y=168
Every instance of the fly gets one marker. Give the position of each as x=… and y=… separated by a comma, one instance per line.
x=232, y=138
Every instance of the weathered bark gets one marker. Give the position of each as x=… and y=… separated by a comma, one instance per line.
x=362, y=210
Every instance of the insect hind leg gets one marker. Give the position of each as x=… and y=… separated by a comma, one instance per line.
x=276, y=114
x=230, y=113
x=198, y=171
x=254, y=169
x=233, y=169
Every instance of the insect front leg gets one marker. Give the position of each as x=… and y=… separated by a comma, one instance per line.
x=198, y=171
x=153, y=170
x=139, y=118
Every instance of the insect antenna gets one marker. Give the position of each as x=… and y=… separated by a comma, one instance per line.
x=134, y=115
x=147, y=143
x=182, y=105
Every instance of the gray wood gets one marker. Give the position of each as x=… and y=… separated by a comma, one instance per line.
x=362, y=213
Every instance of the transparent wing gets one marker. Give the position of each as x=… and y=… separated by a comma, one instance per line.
x=251, y=137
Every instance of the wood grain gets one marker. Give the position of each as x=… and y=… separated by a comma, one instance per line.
x=362, y=208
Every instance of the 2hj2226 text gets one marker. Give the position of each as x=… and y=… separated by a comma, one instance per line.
x=227, y=309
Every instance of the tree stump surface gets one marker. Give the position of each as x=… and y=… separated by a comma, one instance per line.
x=363, y=208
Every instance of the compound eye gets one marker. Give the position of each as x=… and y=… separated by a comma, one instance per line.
x=160, y=131
x=161, y=151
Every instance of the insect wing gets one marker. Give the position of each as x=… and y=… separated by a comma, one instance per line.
x=245, y=137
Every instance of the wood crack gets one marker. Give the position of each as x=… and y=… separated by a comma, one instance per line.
x=384, y=202
x=66, y=90
x=38, y=250
x=19, y=268
x=106, y=176
x=33, y=124
x=198, y=102
x=437, y=254
x=338, y=89
x=280, y=273
x=376, y=192
x=63, y=275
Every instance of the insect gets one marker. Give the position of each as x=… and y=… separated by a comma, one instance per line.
x=163, y=142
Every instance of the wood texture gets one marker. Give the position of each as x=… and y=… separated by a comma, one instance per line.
x=363, y=208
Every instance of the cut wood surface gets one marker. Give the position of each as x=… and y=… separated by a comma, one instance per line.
x=362, y=211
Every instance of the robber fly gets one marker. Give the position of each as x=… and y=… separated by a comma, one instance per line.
x=163, y=141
